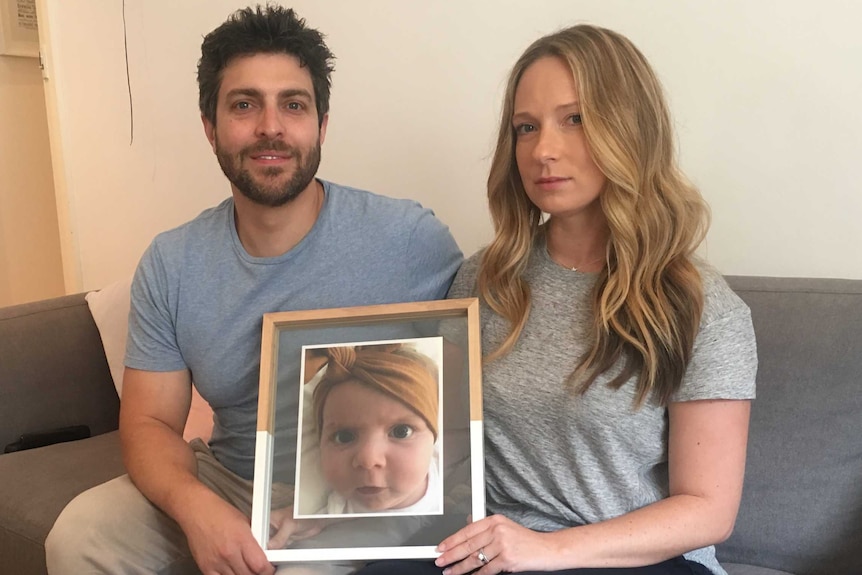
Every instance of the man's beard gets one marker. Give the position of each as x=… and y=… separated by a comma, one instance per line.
x=270, y=195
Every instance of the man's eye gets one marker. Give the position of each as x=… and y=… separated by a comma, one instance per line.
x=343, y=436
x=242, y=105
x=401, y=431
x=294, y=106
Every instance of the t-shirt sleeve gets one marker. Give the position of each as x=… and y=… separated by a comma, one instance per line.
x=433, y=257
x=152, y=343
x=724, y=359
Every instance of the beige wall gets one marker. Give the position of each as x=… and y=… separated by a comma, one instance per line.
x=765, y=96
x=30, y=264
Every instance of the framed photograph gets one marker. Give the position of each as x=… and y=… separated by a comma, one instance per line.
x=369, y=436
x=19, y=32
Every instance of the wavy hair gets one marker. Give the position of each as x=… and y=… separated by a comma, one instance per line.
x=269, y=29
x=648, y=299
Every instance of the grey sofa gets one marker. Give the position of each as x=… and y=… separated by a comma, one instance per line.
x=802, y=505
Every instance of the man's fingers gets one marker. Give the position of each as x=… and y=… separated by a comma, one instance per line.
x=282, y=536
x=256, y=560
x=310, y=532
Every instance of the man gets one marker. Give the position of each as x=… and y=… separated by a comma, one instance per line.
x=283, y=240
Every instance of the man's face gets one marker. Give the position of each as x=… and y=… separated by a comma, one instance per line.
x=374, y=450
x=266, y=136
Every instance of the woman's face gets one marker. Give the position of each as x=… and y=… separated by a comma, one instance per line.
x=374, y=450
x=554, y=160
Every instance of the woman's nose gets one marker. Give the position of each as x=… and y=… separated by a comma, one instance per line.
x=548, y=145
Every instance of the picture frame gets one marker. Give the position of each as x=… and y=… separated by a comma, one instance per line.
x=19, y=32
x=369, y=439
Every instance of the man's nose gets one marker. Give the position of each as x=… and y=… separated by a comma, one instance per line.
x=270, y=124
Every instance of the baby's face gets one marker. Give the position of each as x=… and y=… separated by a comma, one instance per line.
x=374, y=450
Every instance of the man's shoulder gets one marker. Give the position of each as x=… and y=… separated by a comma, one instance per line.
x=370, y=203
x=201, y=227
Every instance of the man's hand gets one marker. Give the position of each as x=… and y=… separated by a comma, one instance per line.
x=220, y=540
x=288, y=529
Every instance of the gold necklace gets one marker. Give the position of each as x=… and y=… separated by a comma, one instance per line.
x=573, y=268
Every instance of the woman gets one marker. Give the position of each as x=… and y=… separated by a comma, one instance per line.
x=617, y=387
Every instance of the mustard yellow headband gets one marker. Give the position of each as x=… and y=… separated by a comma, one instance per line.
x=393, y=369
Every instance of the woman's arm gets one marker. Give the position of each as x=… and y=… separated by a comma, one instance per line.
x=706, y=458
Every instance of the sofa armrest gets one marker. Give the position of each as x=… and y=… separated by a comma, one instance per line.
x=53, y=370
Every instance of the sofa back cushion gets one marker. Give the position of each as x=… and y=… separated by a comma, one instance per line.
x=801, y=510
x=53, y=371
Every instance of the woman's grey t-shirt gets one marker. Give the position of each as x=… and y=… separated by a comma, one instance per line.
x=556, y=459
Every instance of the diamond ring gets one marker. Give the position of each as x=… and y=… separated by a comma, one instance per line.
x=482, y=557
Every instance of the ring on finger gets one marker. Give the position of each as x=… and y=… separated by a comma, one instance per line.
x=482, y=557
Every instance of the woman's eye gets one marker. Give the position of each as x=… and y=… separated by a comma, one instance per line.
x=574, y=119
x=343, y=437
x=522, y=129
x=401, y=431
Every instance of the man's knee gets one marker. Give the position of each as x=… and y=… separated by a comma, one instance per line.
x=99, y=526
x=76, y=528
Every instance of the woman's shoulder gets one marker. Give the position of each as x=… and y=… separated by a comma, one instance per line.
x=464, y=284
x=724, y=360
x=719, y=299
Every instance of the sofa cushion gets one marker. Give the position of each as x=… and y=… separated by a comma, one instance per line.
x=37, y=485
x=801, y=508
x=737, y=569
x=53, y=372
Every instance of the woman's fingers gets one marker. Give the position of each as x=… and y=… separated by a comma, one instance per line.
x=461, y=551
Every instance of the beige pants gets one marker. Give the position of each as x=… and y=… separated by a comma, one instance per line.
x=113, y=528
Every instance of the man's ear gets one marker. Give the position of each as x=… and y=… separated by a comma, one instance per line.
x=323, y=127
x=209, y=130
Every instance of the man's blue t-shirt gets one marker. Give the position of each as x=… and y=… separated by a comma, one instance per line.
x=198, y=297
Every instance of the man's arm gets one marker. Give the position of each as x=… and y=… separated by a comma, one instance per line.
x=153, y=411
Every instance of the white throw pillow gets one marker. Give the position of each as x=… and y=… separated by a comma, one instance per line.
x=110, y=309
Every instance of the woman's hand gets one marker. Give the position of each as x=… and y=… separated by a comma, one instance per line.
x=504, y=545
x=285, y=529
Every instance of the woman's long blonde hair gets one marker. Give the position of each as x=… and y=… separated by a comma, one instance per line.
x=649, y=298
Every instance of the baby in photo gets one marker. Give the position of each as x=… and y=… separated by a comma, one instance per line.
x=376, y=410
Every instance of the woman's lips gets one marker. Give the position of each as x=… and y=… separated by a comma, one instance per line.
x=551, y=182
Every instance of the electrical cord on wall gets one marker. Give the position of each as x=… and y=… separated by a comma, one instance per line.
x=128, y=78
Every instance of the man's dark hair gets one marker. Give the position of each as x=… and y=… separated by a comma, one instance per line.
x=263, y=30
